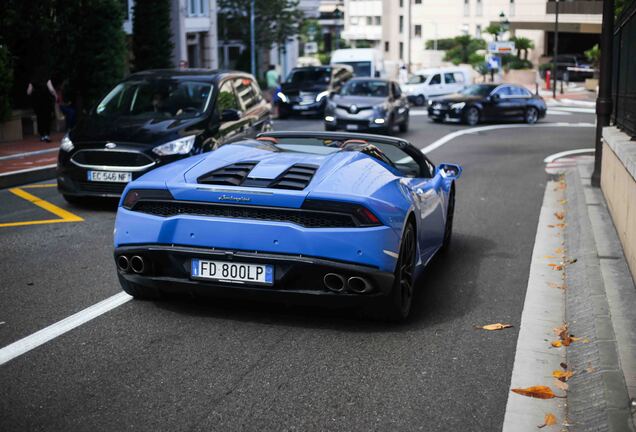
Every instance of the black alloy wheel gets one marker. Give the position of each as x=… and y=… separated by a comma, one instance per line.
x=448, y=228
x=532, y=115
x=471, y=116
x=401, y=297
x=420, y=100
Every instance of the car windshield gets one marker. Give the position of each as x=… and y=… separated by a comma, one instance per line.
x=157, y=98
x=478, y=90
x=309, y=75
x=370, y=88
x=417, y=79
x=360, y=69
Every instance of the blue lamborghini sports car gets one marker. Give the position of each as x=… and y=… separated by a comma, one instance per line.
x=338, y=216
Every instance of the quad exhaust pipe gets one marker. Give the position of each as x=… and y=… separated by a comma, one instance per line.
x=334, y=282
x=359, y=285
x=123, y=263
x=137, y=264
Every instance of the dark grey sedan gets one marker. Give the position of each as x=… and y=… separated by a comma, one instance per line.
x=368, y=104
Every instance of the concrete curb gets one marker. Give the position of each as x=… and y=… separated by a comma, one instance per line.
x=30, y=175
x=598, y=397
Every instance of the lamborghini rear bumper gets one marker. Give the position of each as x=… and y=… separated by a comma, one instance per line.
x=168, y=269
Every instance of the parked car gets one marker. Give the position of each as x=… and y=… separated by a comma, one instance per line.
x=347, y=218
x=488, y=102
x=368, y=104
x=153, y=118
x=427, y=83
x=571, y=67
x=306, y=89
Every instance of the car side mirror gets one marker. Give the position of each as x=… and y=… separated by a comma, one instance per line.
x=449, y=171
x=230, y=114
x=495, y=97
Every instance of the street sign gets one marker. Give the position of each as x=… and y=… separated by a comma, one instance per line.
x=311, y=47
x=493, y=62
x=499, y=47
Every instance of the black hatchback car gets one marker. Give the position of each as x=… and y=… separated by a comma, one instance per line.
x=153, y=118
x=306, y=89
x=488, y=102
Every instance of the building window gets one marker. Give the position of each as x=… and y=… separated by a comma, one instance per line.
x=353, y=20
x=401, y=26
x=418, y=1
x=401, y=50
x=386, y=47
x=198, y=8
x=401, y=3
x=464, y=29
x=511, y=11
x=478, y=31
x=466, y=7
x=418, y=30
x=369, y=20
x=478, y=8
x=378, y=20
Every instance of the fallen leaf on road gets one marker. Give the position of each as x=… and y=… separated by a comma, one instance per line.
x=556, y=344
x=571, y=261
x=539, y=392
x=556, y=285
x=549, y=420
x=561, y=385
x=560, y=215
x=590, y=369
x=557, y=267
x=562, y=375
x=550, y=226
x=496, y=326
x=561, y=225
x=549, y=256
x=563, y=365
x=563, y=202
x=559, y=251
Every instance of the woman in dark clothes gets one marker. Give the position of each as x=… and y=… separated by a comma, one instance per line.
x=43, y=95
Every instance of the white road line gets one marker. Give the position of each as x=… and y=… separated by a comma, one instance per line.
x=451, y=136
x=552, y=111
x=26, y=154
x=418, y=113
x=559, y=155
x=543, y=310
x=59, y=328
x=28, y=170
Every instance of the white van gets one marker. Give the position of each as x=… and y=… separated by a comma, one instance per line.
x=366, y=62
x=427, y=83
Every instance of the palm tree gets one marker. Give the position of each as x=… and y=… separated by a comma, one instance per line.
x=522, y=44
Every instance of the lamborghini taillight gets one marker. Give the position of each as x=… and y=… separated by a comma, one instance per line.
x=362, y=216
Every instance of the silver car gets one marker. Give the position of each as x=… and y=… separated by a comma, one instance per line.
x=368, y=104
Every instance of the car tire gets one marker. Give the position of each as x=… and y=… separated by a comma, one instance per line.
x=283, y=113
x=448, y=227
x=471, y=116
x=532, y=115
x=398, y=305
x=139, y=292
x=330, y=128
x=437, y=120
x=420, y=100
x=75, y=200
x=404, y=126
x=390, y=127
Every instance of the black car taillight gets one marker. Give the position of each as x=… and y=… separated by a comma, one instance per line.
x=135, y=195
x=362, y=215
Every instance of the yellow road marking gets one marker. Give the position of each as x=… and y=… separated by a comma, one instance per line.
x=38, y=186
x=64, y=216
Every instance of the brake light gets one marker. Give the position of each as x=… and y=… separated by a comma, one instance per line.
x=135, y=195
x=362, y=216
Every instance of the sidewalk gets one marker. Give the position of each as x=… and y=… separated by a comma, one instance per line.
x=28, y=160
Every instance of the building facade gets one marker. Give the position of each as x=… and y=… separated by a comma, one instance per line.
x=401, y=28
x=194, y=32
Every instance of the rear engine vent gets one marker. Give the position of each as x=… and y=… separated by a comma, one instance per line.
x=231, y=175
x=296, y=178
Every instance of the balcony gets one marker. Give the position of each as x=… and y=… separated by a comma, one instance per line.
x=580, y=7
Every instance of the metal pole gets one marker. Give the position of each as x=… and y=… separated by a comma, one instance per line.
x=252, y=40
x=604, y=99
x=555, y=50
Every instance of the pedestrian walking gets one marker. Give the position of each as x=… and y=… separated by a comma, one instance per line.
x=272, y=79
x=66, y=106
x=403, y=75
x=43, y=96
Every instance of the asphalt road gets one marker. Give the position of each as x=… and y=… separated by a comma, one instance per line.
x=218, y=365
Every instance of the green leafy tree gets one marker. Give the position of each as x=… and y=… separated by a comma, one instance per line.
x=522, y=44
x=6, y=79
x=152, y=44
x=594, y=56
x=464, y=50
x=494, y=29
x=276, y=21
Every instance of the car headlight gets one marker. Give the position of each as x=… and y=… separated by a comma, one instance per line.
x=179, y=146
x=430, y=102
x=282, y=97
x=458, y=105
x=66, y=144
x=322, y=95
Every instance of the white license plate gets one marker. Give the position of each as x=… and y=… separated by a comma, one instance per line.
x=352, y=127
x=109, y=176
x=436, y=112
x=232, y=271
x=300, y=107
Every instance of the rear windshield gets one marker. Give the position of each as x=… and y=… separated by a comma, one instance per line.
x=366, y=88
x=157, y=98
x=417, y=79
x=360, y=69
x=309, y=75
